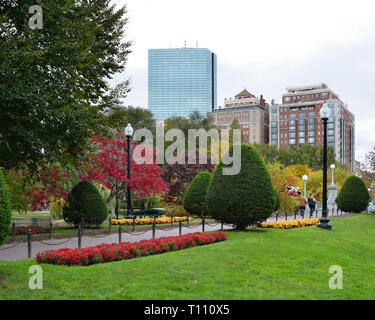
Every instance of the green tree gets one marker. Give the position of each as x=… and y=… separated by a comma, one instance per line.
x=85, y=202
x=139, y=118
x=53, y=81
x=243, y=199
x=354, y=196
x=196, y=194
x=5, y=209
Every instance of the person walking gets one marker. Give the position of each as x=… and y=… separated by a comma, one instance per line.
x=311, y=202
x=302, y=204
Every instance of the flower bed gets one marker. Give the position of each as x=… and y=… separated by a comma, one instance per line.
x=34, y=230
x=289, y=224
x=107, y=252
x=143, y=221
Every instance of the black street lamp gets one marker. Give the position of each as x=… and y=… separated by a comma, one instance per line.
x=324, y=113
x=128, y=134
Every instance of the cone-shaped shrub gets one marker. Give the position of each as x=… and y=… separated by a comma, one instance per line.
x=354, y=196
x=243, y=199
x=85, y=201
x=196, y=194
x=5, y=210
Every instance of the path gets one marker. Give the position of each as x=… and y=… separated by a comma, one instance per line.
x=19, y=250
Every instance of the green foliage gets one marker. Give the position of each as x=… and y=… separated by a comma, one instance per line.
x=85, y=201
x=54, y=81
x=243, y=199
x=56, y=207
x=139, y=117
x=196, y=194
x=175, y=210
x=5, y=209
x=354, y=196
x=307, y=154
x=18, y=185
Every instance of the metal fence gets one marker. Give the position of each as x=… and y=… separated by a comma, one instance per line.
x=81, y=232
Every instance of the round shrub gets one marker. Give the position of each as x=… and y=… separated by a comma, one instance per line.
x=354, y=196
x=196, y=194
x=245, y=198
x=85, y=202
x=5, y=209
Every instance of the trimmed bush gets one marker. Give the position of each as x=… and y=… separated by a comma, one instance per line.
x=196, y=194
x=354, y=196
x=5, y=209
x=243, y=199
x=85, y=202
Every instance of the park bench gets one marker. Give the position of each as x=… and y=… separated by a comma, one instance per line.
x=150, y=212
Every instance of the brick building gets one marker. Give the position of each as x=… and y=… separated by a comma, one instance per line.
x=298, y=121
x=251, y=113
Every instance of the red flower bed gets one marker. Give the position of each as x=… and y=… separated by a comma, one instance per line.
x=34, y=230
x=107, y=252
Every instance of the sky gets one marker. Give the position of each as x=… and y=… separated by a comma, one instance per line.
x=266, y=46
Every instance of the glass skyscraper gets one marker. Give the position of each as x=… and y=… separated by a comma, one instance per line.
x=181, y=81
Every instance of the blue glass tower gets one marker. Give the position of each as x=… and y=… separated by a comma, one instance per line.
x=181, y=81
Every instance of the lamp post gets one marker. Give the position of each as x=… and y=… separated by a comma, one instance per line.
x=324, y=113
x=304, y=178
x=333, y=170
x=128, y=134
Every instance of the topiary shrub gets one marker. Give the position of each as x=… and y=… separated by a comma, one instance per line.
x=85, y=201
x=196, y=194
x=354, y=196
x=5, y=209
x=243, y=199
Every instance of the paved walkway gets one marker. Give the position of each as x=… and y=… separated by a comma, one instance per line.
x=19, y=250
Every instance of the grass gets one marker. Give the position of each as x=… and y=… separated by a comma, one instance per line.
x=277, y=264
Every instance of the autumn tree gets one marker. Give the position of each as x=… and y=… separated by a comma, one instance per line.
x=107, y=166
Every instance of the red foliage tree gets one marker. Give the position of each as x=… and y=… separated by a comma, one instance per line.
x=108, y=166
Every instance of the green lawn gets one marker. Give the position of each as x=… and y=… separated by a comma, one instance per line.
x=277, y=264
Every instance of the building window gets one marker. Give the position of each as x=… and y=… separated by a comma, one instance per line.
x=245, y=117
x=331, y=132
x=301, y=140
x=301, y=115
x=292, y=129
x=286, y=99
x=324, y=95
x=311, y=114
x=311, y=140
x=292, y=135
x=301, y=134
x=292, y=122
x=292, y=116
x=292, y=141
x=311, y=133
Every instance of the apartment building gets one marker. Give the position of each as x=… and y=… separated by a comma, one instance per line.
x=251, y=113
x=299, y=121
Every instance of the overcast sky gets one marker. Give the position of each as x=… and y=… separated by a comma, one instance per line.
x=266, y=46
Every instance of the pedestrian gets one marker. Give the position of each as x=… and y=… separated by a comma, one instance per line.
x=311, y=201
x=302, y=204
